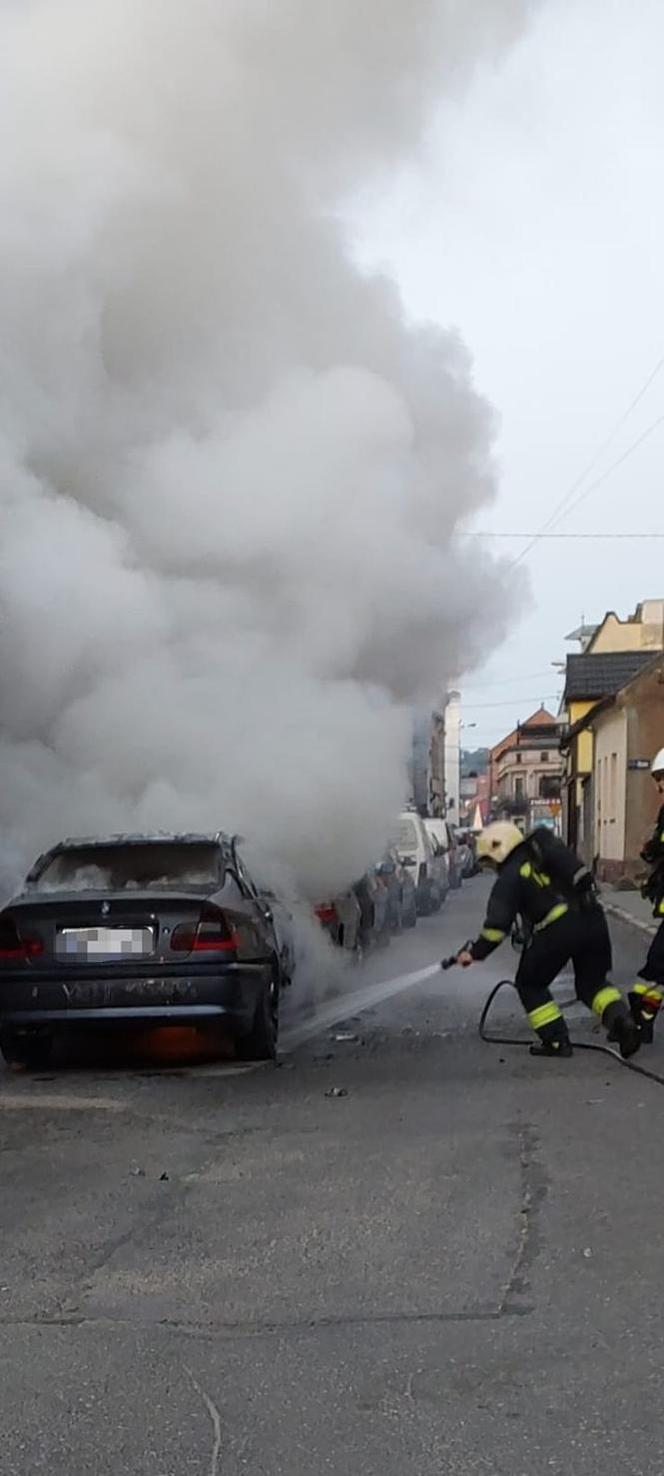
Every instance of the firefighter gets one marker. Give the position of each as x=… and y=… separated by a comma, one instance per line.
x=543, y=883
x=646, y=997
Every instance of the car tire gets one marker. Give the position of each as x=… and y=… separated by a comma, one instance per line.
x=261, y=1042
x=31, y=1049
x=410, y=918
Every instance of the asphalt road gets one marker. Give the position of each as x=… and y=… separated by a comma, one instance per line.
x=454, y=1268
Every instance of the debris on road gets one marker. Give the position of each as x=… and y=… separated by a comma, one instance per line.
x=345, y=1035
x=337, y=1092
x=164, y=1178
x=137, y=1173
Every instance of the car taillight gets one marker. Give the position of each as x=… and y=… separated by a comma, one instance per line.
x=326, y=913
x=18, y=947
x=211, y=934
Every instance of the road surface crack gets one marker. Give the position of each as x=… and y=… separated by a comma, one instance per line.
x=215, y=1419
x=533, y=1191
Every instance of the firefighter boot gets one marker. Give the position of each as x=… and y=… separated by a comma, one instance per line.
x=622, y=1029
x=645, y=1001
x=555, y=1041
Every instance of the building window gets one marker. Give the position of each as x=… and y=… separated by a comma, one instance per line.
x=518, y=758
x=545, y=758
x=518, y=789
x=613, y=785
x=549, y=786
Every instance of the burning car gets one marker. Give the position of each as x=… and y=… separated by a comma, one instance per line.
x=141, y=930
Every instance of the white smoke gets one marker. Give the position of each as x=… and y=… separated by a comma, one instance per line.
x=230, y=474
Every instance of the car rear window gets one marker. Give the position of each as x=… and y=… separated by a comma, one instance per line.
x=118, y=868
x=406, y=835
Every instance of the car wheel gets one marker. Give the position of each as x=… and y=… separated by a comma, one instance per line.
x=261, y=1042
x=31, y=1049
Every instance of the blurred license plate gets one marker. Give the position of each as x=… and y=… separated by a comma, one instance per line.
x=105, y=942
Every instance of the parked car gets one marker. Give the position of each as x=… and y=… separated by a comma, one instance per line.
x=341, y=919
x=401, y=891
x=438, y=832
x=138, y=931
x=415, y=850
x=465, y=841
x=374, y=910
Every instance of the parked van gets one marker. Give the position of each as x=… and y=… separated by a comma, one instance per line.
x=414, y=847
x=443, y=837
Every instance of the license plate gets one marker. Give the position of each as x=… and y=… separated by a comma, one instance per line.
x=104, y=942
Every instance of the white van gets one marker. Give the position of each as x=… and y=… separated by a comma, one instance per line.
x=413, y=845
x=439, y=835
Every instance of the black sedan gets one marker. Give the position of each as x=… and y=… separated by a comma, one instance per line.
x=140, y=931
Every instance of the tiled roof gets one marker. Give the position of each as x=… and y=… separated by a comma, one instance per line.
x=590, y=678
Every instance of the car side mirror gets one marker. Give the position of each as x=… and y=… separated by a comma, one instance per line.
x=408, y=861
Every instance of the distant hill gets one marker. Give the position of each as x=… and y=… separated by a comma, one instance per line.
x=474, y=761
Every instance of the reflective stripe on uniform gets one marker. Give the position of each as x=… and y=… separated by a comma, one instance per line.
x=605, y=997
x=493, y=935
x=660, y=907
x=582, y=871
x=650, y=994
x=528, y=872
x=544, y=1015
x=558, y=911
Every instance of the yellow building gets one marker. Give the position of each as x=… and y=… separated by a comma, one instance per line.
x=637, y=639
x=589, y=679
x=627, y=729
x=642, y=631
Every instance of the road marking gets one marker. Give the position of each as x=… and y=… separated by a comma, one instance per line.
x=215, y=1418
x=202, y=1072
x=352, y=1004
x=50, y=1102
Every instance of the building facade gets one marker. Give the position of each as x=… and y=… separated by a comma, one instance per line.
x=592, y=678
x=526, y=771
x=428, y=763
x=452, y=757
x=627, y=729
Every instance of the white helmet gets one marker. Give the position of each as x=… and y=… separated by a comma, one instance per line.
x=498, y=841
x=657, y=765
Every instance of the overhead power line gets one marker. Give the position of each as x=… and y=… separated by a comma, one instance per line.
x=528, y=676
x=570, y=501
x=512, y=702
x=537, y=536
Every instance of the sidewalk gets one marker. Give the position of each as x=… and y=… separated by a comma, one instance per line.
x=629, y=907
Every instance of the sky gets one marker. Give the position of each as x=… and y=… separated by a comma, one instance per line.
x=534, y=225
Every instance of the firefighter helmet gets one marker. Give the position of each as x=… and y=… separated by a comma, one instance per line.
x=498, y=841
x=657, y=765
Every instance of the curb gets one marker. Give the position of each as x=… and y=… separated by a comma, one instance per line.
x=627, y=917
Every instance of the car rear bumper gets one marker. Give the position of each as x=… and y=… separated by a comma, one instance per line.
x=115, y=1003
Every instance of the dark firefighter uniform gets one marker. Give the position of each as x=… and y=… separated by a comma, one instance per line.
x=563, y=922
x=648, y=992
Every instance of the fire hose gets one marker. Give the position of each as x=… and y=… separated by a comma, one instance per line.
x=510, y=1040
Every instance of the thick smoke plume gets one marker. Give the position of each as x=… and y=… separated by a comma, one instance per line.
x=230, y=473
